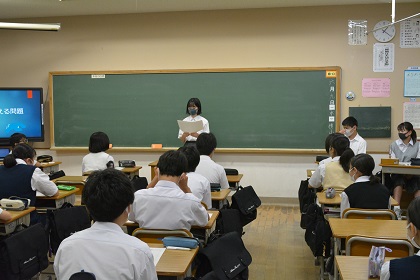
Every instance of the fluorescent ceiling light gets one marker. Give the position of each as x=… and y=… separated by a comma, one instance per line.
x=31, y=26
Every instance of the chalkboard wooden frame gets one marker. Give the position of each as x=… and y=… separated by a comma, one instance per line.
x=332, y=74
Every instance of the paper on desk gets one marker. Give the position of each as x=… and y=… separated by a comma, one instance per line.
x=190, y=127
x=38, y=194
x=157, y=253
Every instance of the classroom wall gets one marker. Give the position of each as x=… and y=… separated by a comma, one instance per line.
x=281, y=37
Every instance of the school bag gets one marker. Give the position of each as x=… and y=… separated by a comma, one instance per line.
x=63, y=222
x=24, y=254
x=224, y=259
x=307, y=197
x=318, y=232
x=247, y=202
x=139, y=183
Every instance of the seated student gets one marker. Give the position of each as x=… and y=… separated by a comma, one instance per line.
x=198, y=184
x=18, y=177
x=97, y=159
x=215, y=173
x=4, y=215
x=104, y=249
x=366, y=192
x=328, y=141
x=19, y=138
x=405, y=149
x=409, y=267
x=169, y=204
x=334, y=174
x=357, y=143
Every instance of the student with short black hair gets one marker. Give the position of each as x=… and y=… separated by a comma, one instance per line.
x=104, y=249
x=193, y=111
x=366, y=191
x=19, y=177
x=409, y=267
x=17, y=138
x=357, y=143
x=198, y=184
x=336, y=173
x=169, y=204
x=215, y=173
x=405, y=148
x=97, y=159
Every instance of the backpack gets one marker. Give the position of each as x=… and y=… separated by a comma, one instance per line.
x=307, y=197
x=63, y=222
x=318, y=232
x=224, y=259
x=247, y=202
x=139, y=183
x=24, y=254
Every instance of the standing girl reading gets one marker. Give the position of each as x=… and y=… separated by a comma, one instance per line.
x=194, y=112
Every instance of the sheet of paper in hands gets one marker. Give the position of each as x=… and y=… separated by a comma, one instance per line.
x=190, y=127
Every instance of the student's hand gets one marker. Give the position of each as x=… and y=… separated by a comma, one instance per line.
x=195, y=134
x=155, y=179
x=183, y=183
x=184, y=136
x=342, y=131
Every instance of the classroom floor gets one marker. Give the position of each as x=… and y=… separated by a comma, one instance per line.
x=277, y=245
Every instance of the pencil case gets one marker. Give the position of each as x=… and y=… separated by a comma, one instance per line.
x=186, y=242
x=65, y=188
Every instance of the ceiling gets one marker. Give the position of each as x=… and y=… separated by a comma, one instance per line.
x=10, y=9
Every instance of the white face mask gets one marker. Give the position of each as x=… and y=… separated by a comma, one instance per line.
x=348, y=132
x=412, y=241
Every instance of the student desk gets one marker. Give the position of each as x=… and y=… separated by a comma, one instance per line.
x=204, y=231
x=130, y=171
x=174, y=263
x=336, y=200
x=18, y=218
x=341, y=228
x=354, y=268
x=49, y=167
x=218, y=198
x=45, y=202
x=399, y=169
x=76, y=181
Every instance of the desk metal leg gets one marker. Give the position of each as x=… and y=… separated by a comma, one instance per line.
x=337, y=245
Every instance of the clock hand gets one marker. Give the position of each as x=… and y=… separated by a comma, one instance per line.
x=384, y=30
x=387, y=33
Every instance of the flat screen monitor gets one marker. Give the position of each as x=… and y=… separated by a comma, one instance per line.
x=21, y=110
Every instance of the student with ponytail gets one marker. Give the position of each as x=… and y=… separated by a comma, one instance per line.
x=335, y=173
x=366, y=192
x=19, y=177
x=409, y=267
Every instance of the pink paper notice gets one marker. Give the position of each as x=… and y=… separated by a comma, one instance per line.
x=376, y=87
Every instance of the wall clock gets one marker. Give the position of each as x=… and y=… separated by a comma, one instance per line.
x=385, y=34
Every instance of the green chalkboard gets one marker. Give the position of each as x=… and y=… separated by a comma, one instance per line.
x=253, y=108
x=373, y=122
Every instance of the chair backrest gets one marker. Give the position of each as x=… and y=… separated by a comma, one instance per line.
x=205, y=205
x=156, y=235
x=83, y=276
x=377, y=214
x=357, y=245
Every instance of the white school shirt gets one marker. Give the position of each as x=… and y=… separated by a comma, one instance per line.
x=95, y=161
x=206, y=127
x=358, y=145
x=403, y=147
x=345, y=203
x=200, y=187
x=106, y=251
x=166, y=206
x=41, y=181
x=214, y=172
x=385, y=269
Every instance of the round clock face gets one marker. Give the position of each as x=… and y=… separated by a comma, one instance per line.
x=384, y=34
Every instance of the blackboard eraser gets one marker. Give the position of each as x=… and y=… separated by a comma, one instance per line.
x=156, y=146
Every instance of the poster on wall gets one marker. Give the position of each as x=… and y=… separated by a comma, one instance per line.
x=410, y=33
x=357, y=32
x=383, y=57
x=411, y=113
x=411, y=83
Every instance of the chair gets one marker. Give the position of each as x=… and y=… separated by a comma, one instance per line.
x=156, y=235
x=205, y=205
x=361, y=245
x=377, y=214
x=83, y=276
